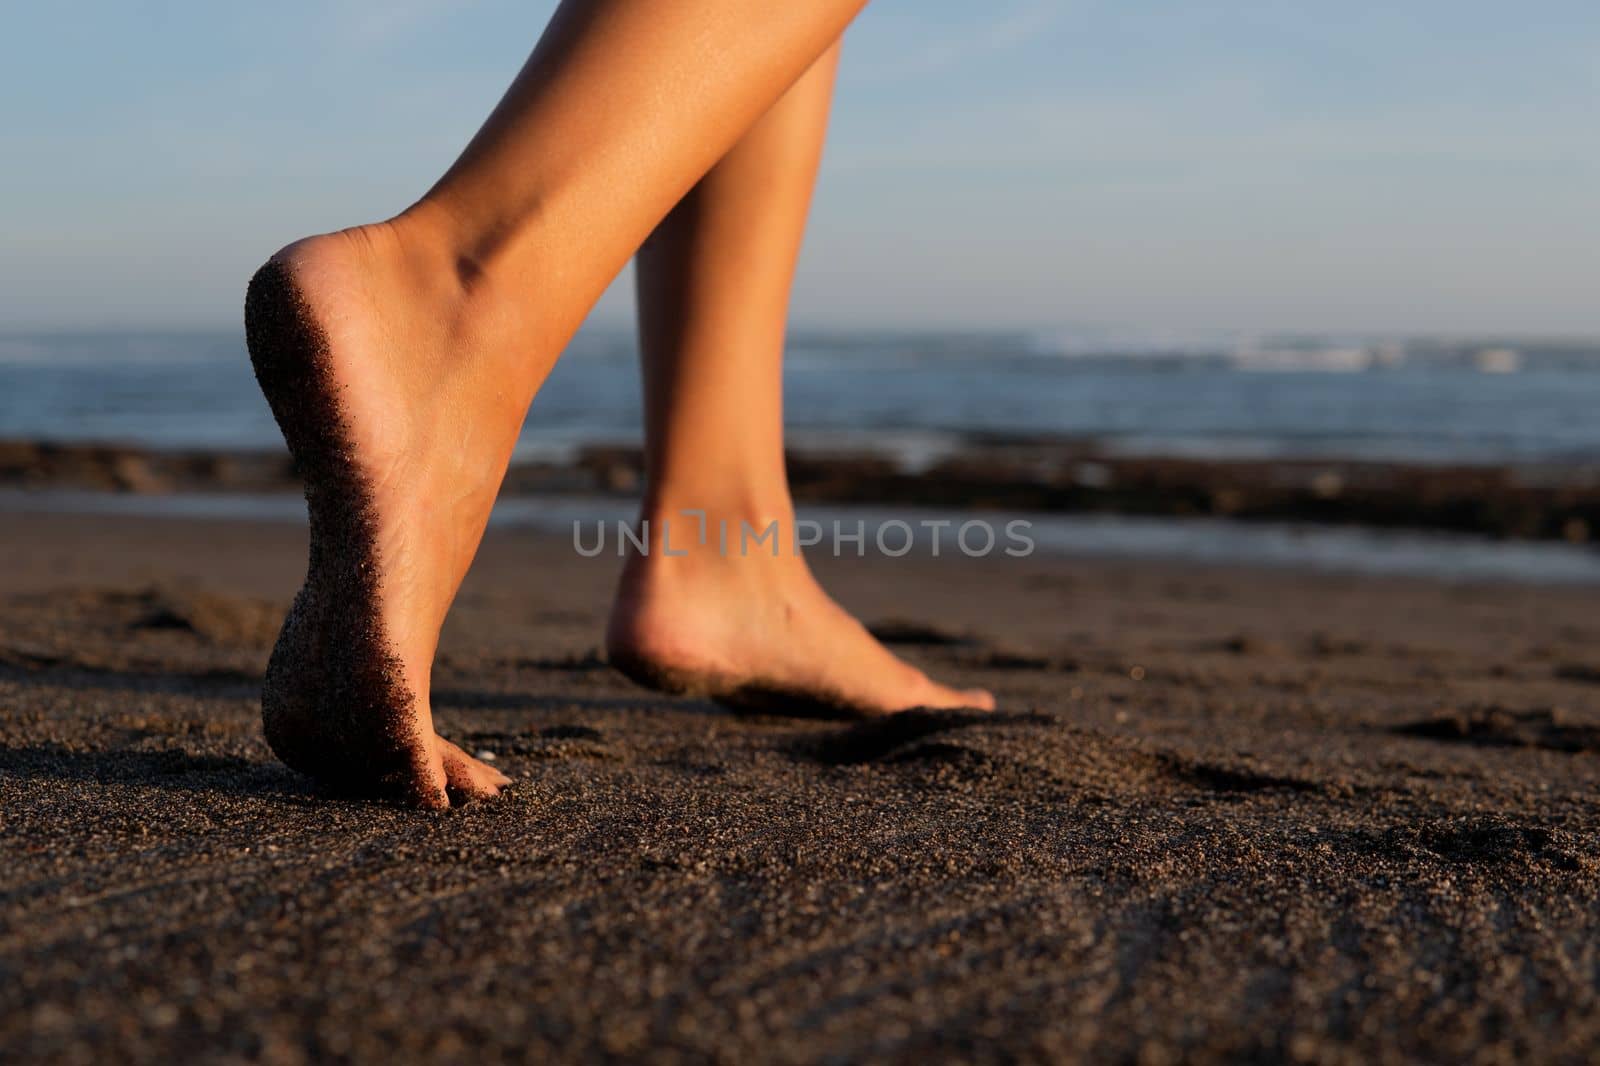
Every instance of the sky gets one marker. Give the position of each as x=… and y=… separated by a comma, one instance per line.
x=1360, y=167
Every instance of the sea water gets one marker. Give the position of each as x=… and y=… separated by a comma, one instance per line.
x=919, y=395
x=1410, y=400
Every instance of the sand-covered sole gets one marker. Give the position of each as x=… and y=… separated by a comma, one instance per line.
x=334, y=701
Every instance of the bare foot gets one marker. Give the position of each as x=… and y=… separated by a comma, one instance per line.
x=758, y=633
x=389, y=404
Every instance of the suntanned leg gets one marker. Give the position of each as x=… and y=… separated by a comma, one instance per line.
x=744, y=626
x=400, y=357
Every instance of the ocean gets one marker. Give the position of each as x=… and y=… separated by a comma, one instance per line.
x=1424, y=400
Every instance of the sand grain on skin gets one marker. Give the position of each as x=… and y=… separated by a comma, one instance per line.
x=334, y=701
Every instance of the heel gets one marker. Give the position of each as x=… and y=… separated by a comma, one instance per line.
x=334, y=701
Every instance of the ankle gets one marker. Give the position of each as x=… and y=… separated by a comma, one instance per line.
x=480, y=255
x=424, y=239
x=687, y=527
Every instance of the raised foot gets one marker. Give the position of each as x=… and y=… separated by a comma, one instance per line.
x=761, y=636
x=344, y=699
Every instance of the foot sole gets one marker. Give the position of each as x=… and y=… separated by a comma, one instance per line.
x=335, y=704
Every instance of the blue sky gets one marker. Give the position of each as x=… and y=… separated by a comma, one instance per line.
x=1367, y=167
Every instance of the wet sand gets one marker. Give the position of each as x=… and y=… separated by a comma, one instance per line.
x=1224, y=813
x=1050, y=475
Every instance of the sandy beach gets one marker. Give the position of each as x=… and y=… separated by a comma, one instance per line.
x=1223, y=813
x=1190, y=415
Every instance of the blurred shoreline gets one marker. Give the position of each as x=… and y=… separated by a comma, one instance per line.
x=988, y=473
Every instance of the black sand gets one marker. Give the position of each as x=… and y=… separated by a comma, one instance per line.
x=1225, y=815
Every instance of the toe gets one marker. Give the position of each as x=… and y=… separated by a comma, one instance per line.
x=951, y=698
x=424, y=786
x=468, y=776
x=933, y=696
x=431, y=800
x=979, y=698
